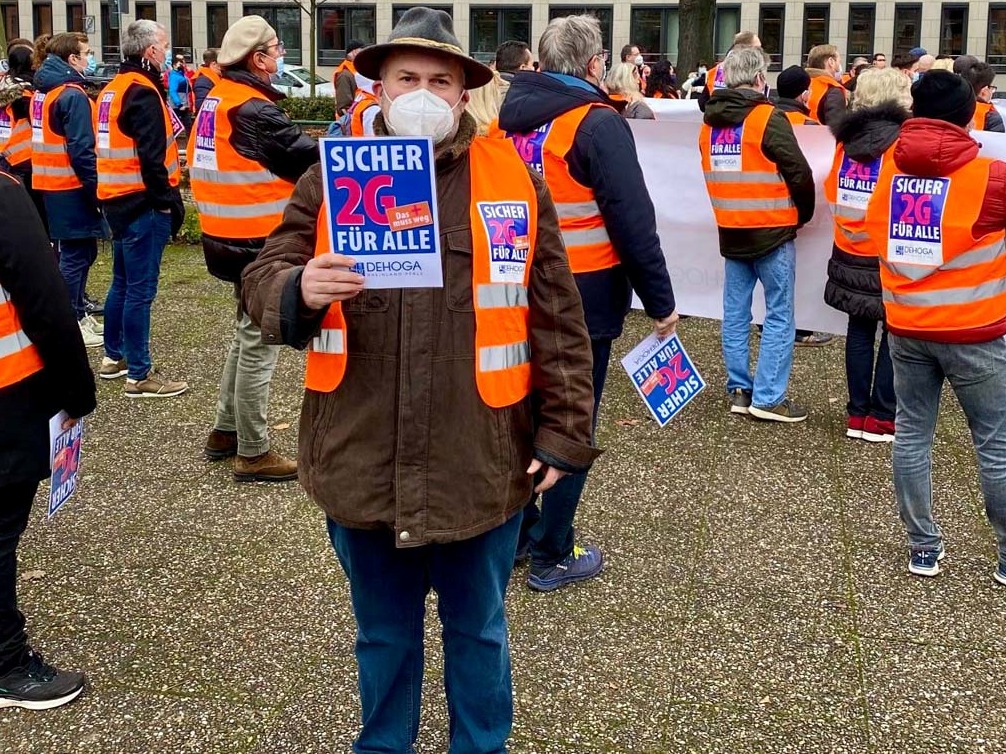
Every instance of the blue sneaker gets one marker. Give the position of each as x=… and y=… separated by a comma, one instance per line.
x=926, y=562
x=1000, y=574
x=581, y=564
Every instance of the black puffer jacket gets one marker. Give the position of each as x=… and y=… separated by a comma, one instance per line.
x=853, y=283
x=264, y=133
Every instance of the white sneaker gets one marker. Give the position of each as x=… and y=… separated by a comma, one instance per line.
x=91, y=338
x=96, y=327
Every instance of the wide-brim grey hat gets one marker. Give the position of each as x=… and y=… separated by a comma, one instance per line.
x=423, y=30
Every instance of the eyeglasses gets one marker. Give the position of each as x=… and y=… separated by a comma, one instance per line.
x=281, y=47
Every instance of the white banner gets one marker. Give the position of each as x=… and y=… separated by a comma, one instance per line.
x=669, y=155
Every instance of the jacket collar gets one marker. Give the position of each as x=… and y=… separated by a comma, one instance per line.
x=146, y=69
x=247, y=78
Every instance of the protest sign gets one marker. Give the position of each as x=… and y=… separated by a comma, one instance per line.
x=64, y=460
x=663, y=375
x=381, y=196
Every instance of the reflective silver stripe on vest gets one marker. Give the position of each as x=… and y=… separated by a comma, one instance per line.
x=849, y=213
x=24, y=146
x=501, y=295
x=328, y=341
x=568, y=210
x=53, y=172
x=716, y=176
x=853, y=237
x=231, y=177
x=23, y=126
x=50, y=148
x=968, y=295
x=752, y=205
x=4, y=296
x=241, y=212
x=173, y=167
x=584, y=237
x=120, y=179
x=981, y=255
x=496, y=358
x=13, y=343
x=119, y=153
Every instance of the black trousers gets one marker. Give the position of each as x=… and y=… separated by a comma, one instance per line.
x=15, y=507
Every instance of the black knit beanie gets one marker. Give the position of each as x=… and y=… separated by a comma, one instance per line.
x=943, y=95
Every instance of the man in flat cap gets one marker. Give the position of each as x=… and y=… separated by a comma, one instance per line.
x=431, y=414
x=243, y=164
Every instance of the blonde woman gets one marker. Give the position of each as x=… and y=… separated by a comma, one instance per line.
x=880, y=105
x=623, y=84
x=943, y=64
x=484, y=104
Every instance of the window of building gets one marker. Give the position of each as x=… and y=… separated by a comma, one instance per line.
x=954, y=30
x=728, y=23
x=41, y=19
x=11, y=22
x=907, y=28
x=398, y=11
x=862, y=22
x=110, y=32
x=147, y=11
x=75, y=17
x=338, y=24
x=771, y=31
x=491, y=27
x=216, y=25
x=816, y=20
x=285, y=19
x=996, y=55
x=655, y=30
x=602, y=13
x=181, y=30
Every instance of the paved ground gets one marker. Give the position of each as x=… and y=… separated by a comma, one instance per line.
x=756, y=597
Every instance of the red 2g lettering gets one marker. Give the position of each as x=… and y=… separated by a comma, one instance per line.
x=917, y=210
x=375, y=206
x=502, y=232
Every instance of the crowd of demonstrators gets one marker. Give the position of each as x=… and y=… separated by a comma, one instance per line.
x=207, y=77
x=242, y=181
x=622, y=84
x=344, y=78
x=609, y=228
x=662, y=83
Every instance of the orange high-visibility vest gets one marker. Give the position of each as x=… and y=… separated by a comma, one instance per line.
x=819, y=86
x=345, y=65
x=745, y=187
x=848, y=189
x=205, y=70
x=494, y=131
x=236, y=197
x=364, y=101
x=936, y=275
x=504, y=224
x=15, y=135
x=799, y=119
x=583, y=231
x=118, y=161
x=50, y=158
x=714, y=78
x=981, y=114
x=19, y=358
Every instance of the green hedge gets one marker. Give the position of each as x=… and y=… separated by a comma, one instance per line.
x=190, y=231
x=309, y=108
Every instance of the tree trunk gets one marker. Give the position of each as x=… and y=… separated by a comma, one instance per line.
x=695, y=35
x=3, y=38
x=312, y=23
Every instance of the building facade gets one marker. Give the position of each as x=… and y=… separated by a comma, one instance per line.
x=787, y=29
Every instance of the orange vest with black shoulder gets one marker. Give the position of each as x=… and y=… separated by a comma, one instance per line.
x=504, y=223
x=936, y=276
x=119, y=172
x=50, y=157
x=19, y=358
x=981, y=114
x=236, y=197
x=588, y=245
x=205, y=70
x=745, y=187
x=819, y=86
x=848, y=189
x=799, y=119
x=15, y=135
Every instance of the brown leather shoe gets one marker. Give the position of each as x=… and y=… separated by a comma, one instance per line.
x=221, y=445
x=268, y=467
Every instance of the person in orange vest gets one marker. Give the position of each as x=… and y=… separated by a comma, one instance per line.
x=793, y=86
x=828, y=98
x=662, y=83
x=567, y=129
x=15, y=119
x=430, y=414
x=365, y=108
x=344, y=78
x=762, y=191
x=64, y=169
x=43, y=370
x=714, y=76
x=864, y=139
x=138, y=177
x=243, y=164
x=981, y=76
x=938, y=225
x=207, y=77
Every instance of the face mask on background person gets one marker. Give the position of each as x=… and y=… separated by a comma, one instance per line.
x=702, y=70
x=916, y=76
x=166, y=65
x=639, y=60
x=421, y=113
x=92, y=65
x=280, y=65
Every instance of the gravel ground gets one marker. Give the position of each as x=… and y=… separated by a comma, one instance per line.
x=755, y=598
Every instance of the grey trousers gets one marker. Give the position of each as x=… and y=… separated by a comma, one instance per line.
x=243, y=405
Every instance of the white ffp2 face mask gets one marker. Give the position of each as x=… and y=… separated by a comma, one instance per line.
x=421, y=113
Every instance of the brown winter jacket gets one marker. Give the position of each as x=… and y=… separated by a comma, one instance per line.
x=405, y=441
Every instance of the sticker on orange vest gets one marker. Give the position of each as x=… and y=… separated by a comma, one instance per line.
x=104, y=120
x=856, y=182
x=719, y=79
x=177, y=127
x=206, y=134
x=506, y=228
x=725, y=148
x=5, y=125
x=531, y=147
x=37, y=103
x=916, y=220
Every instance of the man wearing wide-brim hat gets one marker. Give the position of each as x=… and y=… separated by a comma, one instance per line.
x=430, y=414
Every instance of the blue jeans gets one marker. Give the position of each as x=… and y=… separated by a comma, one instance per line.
x=76, y=255
x=777, y=273
x=870, y=379
x=136, y=267
x=977, y=374
x=388, y=587
x=550, y=529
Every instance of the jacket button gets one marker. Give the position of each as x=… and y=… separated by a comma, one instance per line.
x=404, y=536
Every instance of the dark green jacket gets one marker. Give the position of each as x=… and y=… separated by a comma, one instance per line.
x=728, y=107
